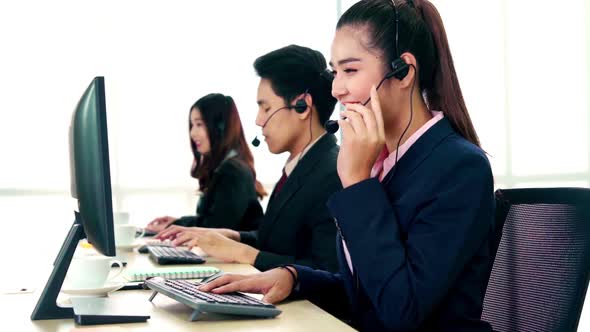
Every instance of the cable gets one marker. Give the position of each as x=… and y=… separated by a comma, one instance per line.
x=376, y=89
x=409, y=122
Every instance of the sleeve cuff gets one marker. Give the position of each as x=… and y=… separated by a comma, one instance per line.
x=266, y=260
x=186, y=221
x=249, y=238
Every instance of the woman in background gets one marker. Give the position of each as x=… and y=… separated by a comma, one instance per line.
x=224, y=166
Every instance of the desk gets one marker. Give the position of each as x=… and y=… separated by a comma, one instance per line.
x=169, y=315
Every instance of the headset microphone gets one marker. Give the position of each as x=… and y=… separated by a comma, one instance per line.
x=256, y=141
x=299, y=107
x=331, y=126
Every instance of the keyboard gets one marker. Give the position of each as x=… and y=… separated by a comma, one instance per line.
x=146, y=233
x=170, y=255
x=186, y=292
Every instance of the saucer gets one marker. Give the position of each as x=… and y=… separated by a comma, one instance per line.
x=95, y=291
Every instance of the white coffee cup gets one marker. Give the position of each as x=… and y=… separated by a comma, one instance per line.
x=121, y=218
x=91, y=271
x=125, y=235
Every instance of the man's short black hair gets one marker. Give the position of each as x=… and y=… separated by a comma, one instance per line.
x=294, y=69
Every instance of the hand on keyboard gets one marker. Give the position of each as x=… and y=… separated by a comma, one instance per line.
x=159, y=224
x=235, y=303
x=275, y=284
x=211, y=242
x=162, y=243
x=171, y=232
x=216, y=245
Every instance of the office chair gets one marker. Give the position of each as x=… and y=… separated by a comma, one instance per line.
x=540, y=272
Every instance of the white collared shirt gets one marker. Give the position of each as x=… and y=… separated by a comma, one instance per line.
x=294, y=160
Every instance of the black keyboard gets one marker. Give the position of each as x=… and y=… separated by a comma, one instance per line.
x=186, y=292
x=171, y=255
x=146, y=233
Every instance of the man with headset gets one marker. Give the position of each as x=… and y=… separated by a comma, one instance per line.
x=294, y=101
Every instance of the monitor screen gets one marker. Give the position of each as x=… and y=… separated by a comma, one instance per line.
x=89, y=167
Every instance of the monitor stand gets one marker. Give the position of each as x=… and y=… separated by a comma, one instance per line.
x=47, y=307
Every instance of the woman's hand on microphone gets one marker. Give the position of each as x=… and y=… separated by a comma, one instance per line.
x=363, y=138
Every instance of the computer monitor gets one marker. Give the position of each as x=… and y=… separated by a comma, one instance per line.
x=89, y=167
x=91, y=186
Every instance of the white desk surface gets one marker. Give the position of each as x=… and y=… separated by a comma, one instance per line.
x=167, y=314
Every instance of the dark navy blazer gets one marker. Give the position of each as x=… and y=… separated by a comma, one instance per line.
x=419, y=241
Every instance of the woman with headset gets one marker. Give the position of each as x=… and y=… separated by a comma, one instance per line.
x=224, y=166
x=416, y=211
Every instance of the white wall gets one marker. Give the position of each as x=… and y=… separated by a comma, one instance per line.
x=157, y=61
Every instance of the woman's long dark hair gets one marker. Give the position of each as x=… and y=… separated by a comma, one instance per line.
x=221, y=118
x=422, y=33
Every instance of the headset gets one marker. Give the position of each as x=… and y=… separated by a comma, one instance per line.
x=220, y=121
x=300, y=107
x=399, y=70
x=221, y=128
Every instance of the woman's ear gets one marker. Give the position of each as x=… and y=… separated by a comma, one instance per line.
x=410, y=59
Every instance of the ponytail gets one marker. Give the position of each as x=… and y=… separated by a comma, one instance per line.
x=444, y=93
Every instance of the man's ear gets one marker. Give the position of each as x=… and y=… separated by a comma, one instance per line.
x=308, y=100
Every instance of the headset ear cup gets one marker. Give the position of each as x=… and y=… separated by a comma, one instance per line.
x=300, y=106
x=399, y=69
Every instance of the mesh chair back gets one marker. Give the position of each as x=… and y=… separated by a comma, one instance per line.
x=540, y=273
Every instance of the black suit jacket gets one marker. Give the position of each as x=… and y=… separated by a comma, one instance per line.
x=230, y=201
x=297, y=227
